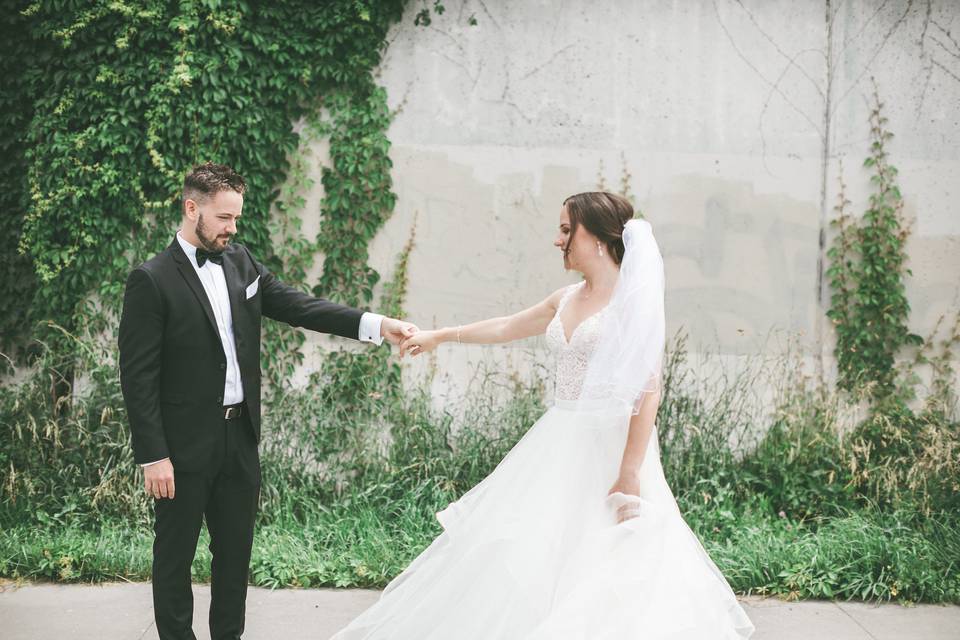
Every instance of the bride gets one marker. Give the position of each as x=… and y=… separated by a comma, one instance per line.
x=575, y=534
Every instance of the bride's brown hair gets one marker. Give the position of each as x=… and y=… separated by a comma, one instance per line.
x=602, y=214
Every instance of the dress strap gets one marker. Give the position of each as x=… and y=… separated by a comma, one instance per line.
x=566, y=296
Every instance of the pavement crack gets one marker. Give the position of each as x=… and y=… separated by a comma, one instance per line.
x=855, y=621
x=145, y=631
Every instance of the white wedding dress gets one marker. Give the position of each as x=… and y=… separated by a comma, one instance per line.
x=534, y=551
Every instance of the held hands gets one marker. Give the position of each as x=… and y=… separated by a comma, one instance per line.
x=421, y=342
x=158, y=479
x=395, y=331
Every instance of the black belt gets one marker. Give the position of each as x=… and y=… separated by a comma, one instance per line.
x=233, y=411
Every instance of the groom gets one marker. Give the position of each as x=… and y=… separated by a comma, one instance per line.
x=190, y=374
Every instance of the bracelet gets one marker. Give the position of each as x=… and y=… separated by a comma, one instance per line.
x=458, y=334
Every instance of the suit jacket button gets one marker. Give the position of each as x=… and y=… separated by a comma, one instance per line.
x=223, y=366
x=220, y=399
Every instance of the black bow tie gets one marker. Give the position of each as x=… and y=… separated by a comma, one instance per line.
x=203, y=255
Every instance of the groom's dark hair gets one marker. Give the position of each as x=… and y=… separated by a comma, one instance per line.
x=208, y=179
x=602, y=214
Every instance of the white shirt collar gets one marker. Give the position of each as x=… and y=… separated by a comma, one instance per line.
x=188, y=249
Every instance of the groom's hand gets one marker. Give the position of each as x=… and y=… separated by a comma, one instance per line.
x=395, y=331
x=158, y=479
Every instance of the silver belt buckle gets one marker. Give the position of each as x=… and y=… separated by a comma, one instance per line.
x=231, y=412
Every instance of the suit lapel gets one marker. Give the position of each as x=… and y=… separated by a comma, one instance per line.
x=235, y=290
x=193, y=281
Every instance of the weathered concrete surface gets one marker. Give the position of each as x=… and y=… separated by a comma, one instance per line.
x=124, y=611
x=726, y=120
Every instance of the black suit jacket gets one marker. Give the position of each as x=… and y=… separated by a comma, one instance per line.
x=172, y=363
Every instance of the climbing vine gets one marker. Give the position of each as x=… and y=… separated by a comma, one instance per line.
x=624, y=188
x=357, y=195
x=869, y=308
x=16, y=111
x=111, y=102
x=365, y=380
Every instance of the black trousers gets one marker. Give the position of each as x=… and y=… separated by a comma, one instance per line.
x=226, y=496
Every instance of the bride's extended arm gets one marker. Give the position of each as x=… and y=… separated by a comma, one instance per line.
x=523, y=324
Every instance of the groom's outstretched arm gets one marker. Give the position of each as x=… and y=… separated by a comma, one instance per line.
x=287, y=304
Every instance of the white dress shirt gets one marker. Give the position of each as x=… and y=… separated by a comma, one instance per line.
x=215, y=285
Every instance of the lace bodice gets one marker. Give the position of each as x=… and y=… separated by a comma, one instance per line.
x=572, y=357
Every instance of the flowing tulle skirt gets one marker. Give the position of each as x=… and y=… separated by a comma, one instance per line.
x=534, y=552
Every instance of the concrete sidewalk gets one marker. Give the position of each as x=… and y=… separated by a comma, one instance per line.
x=124, y=611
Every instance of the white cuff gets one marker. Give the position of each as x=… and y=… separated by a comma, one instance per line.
x=370, y=328
x=147, y=464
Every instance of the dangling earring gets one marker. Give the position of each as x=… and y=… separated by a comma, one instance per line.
x=599, y=249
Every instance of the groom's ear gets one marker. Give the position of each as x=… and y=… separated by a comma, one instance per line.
x=190, y=208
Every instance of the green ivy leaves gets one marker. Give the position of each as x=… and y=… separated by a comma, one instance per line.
x=110, y=103
x=358, y=197
x=869, y=307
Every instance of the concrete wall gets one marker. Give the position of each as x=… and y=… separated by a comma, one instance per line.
x=727, y=121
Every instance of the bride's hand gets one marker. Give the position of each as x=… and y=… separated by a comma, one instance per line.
x=420, y=342
x=627, y=484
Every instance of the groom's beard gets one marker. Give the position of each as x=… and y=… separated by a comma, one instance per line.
x=210, y=243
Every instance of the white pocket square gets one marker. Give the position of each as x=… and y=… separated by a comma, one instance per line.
x=252, y=288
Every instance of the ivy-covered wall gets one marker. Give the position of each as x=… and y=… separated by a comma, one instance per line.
x=106, y=104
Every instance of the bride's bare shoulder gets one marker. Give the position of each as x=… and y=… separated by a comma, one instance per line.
x=553, y=300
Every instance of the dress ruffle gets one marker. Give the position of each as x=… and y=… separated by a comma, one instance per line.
x=534, y=551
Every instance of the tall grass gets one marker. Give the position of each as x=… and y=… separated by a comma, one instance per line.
x=787, y=497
